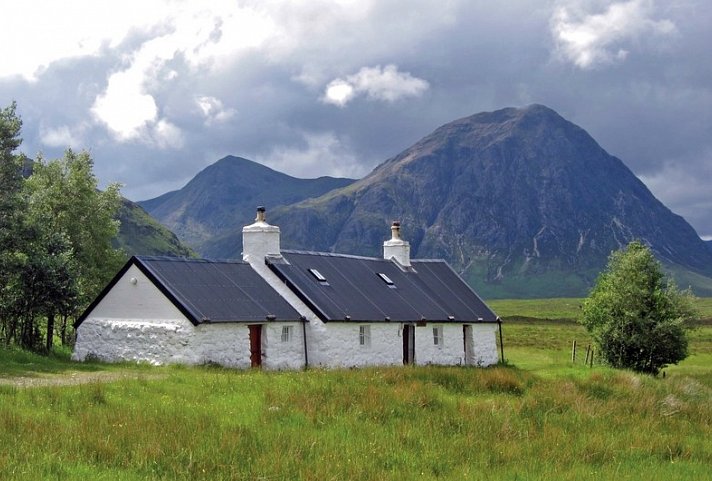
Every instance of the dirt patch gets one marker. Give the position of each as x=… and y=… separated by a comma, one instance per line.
x=74, y=378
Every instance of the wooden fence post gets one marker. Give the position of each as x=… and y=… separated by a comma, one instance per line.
x=573, y=351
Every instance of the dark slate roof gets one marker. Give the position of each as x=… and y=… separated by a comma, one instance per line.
x=209, y=291
x=353, y=289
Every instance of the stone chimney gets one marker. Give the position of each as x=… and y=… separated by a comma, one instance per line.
x=260, y=239
x=396, y=248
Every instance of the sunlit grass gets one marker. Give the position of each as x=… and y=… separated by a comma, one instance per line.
x=564, y=308
x=540, y=417
x=404, y=423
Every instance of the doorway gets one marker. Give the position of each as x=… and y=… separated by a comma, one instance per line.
x=468, y=344
x=408, y=344
x=255, y=345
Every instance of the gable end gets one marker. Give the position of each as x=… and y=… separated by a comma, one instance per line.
x=135, y=261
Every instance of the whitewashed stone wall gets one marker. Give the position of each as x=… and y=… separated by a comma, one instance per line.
x=339, y=345
x=280, y=355
x=451, y=351
x=114, y=340
x=179, y=342
x=136, y=322
x=484, y=344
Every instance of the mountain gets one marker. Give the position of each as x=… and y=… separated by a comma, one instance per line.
x=222, y=198
x=522, y=202
x=140, y=234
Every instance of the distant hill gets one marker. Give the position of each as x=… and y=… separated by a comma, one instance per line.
x=521, y=201
x=140, y=234
x=223, y=197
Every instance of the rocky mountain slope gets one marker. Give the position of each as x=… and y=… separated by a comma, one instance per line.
x=222, y=198
x=520, y=201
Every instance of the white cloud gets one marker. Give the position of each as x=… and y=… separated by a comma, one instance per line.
x=204, y=37
x=213, y=110
x=124, y=107
x=49, y=31
x=322, y=152
x=165, y=135
x=377, y=83
x=339, y=92
x=589, y=40
x=63, y=136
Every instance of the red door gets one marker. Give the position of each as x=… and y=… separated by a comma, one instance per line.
x=255, y=345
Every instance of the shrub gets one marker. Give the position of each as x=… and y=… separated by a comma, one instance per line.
x=636, y=317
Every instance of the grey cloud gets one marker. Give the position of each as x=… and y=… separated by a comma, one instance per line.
x=653, y=109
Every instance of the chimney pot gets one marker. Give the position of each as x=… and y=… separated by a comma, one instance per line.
x=395, y=230
x=260, y=214
x=396, y=247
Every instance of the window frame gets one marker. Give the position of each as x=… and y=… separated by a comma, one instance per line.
x=364, y=335
x=438, y=336
x=287, y=334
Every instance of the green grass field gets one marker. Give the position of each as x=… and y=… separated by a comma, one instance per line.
x=566, y=308
x=541, y=417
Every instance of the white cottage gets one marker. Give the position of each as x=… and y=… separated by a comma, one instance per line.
x=289, y=310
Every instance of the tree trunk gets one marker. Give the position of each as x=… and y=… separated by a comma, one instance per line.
x=50, y=332
x=63, y=330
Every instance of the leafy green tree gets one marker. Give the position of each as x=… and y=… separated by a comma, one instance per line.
x=13, y=205
x=56, y=230
x=47, y=287
x=636, y=317
x=63, y=197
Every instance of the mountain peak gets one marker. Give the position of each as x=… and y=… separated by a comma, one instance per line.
x=222, y=198
x=514, y=199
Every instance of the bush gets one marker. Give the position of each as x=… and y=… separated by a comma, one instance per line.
x=636, y=317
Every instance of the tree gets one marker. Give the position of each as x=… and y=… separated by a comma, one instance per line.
x=45, y=286
x=637, y=318
x=13, y=204
x=56, y=230
x=63, y=197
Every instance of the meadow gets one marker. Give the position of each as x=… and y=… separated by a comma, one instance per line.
x=539, y=416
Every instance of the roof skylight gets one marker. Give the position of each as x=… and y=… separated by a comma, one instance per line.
x=386, y=279
x=317, y=275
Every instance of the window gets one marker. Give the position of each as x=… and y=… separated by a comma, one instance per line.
x=286, y=333
x=318, y=276
x=438, y=336
x=389, y=282
x=364, y=336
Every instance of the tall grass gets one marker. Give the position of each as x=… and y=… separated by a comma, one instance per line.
x=539, y=418
x=393, y=423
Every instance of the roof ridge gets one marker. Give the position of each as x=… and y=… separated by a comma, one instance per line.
x=197, y=260
x=333, y=254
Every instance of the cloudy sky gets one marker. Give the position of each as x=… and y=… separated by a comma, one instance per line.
x=157, y=90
